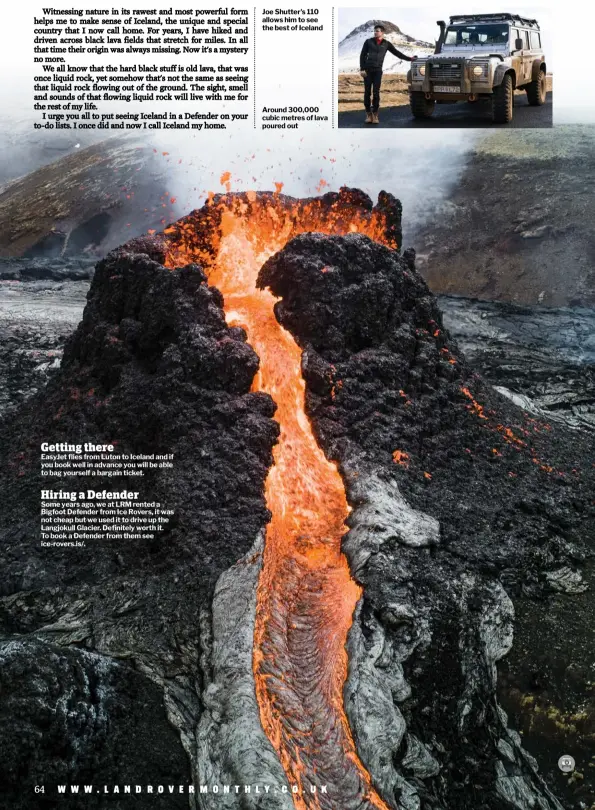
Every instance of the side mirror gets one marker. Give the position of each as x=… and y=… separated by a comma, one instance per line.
x=518, y=44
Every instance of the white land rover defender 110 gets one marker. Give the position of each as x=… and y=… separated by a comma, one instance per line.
x=481, y=56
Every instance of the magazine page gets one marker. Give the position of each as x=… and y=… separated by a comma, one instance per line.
x=297, y=406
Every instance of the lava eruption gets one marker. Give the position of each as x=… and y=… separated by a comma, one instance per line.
x=297, y=367
x=306, y=595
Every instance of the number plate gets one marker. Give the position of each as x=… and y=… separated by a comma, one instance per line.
x=446, y=88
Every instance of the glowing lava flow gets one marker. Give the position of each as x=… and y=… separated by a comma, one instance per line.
x=306, y=595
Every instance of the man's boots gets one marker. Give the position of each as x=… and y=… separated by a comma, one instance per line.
x=369, y=118
x=375, y=118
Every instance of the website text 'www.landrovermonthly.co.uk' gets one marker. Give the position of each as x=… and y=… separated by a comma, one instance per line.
x=190, y=789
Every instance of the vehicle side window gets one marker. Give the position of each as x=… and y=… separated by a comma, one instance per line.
x=514, y=35
x=527, y=40
x=535, y=40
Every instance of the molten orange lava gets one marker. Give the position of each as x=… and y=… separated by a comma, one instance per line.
x=400, y=457
x=306, y=596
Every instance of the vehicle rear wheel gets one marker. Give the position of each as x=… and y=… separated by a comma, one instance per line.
x=537, y=90
x=502, y=101
x=421, y=107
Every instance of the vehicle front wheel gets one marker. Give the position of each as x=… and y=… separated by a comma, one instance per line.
x=502, y=101
x=537, y=90
x=421, y=107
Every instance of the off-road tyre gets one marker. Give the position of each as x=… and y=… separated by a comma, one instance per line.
x=537, y=90
x=421, y=107
x=503, y=101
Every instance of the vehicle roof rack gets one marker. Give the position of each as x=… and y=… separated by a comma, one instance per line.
x=494, y=18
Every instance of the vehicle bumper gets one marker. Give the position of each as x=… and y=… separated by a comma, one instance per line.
x=469, y=93
x=463, y=88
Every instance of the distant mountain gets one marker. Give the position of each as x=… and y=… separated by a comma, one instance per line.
x=350, y=47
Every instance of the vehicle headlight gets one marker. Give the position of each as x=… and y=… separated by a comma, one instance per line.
x=422, y=70
x=477, y=70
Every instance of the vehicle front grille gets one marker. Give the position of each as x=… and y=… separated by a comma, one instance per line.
x=445, y=72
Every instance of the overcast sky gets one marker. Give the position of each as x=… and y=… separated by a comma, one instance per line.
x=421, y=22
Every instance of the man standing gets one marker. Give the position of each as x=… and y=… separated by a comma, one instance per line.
x=370, y=62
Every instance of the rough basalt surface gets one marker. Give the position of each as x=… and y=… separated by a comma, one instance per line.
x=541, y=357
x=461, y=501
x=153, y=367
x=66, y=268
x=68, y=716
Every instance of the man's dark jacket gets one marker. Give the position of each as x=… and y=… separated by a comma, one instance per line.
x=372, y=55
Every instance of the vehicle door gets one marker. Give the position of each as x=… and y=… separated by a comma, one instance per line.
x=517, y=55
x=528, y=56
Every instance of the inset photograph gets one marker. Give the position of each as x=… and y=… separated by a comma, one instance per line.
x=406, y=67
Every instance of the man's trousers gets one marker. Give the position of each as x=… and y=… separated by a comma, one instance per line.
x=372, y=81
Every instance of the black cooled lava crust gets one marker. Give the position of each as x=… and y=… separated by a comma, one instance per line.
x=154, y=368
x=513, y=495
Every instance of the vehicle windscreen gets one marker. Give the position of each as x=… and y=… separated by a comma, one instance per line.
x=492, y=34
